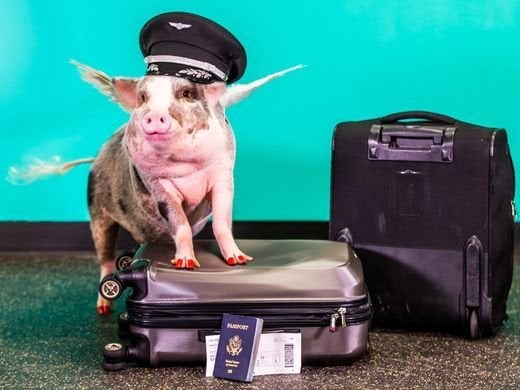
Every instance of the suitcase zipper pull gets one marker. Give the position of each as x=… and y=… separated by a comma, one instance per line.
x=338, y=314
x=342, y=311
x=333, y=319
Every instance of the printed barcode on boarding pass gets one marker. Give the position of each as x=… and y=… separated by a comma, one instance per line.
x=289, y=355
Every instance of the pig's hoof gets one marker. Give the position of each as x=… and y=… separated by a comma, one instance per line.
x=103, y=306
x=231, y=261
x=103, y=310
x=240, y=259
x=185, y=263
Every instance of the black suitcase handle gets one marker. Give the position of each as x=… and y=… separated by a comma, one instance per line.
x=424, y=115
x=429, y=140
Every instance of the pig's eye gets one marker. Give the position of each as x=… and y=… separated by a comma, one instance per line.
x=142, y=98
x=186, y=94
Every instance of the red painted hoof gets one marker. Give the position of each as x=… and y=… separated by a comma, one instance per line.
x=190, y=264
x=231, y=261
x=103, y=310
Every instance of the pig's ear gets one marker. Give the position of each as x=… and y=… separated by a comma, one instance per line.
x=107, y=85
x=214, y=92
x=125, y=92
x=238, y=92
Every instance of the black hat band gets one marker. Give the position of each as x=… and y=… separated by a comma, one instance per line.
x=202, y=66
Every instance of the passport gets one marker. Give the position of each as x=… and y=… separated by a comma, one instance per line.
x=237, y=347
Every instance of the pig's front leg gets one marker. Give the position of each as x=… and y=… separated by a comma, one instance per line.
x=221, y=209
x=170, y=208
x=104, y=233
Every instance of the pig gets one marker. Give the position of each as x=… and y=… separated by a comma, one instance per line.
x=164, y=172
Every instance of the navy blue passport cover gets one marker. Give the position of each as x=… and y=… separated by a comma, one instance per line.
x=237, y=347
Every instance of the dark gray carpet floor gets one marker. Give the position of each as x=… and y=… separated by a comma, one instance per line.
x=51, y=337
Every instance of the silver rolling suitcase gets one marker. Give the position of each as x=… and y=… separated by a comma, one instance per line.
x=315, y=288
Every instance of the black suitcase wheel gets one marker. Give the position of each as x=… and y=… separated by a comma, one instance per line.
x=114, y=357
x=123, y=261
x=474, y=325
x=122, y=320
x=114, y=352
x=110, y=287
x=114, y=366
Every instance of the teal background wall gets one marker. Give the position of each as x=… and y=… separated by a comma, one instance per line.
x=365, y=58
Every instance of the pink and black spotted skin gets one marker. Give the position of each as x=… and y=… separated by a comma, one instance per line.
x=164, y=172
x=170, y=167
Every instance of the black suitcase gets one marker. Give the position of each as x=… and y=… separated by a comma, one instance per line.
x=315, y=288
x=427, y=203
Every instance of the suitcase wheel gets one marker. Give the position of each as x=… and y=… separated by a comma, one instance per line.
x=110, y=287
x=474, y=326
x=114, y=357
x=114, y=366
x=123, y=261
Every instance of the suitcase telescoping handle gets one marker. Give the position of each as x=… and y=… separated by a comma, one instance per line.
x=428, y=138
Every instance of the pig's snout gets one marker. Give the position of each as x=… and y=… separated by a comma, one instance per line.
x=156, y=122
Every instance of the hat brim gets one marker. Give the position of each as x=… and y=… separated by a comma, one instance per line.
x=186, y=61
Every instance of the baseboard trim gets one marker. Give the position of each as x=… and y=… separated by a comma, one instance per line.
x=75, y=236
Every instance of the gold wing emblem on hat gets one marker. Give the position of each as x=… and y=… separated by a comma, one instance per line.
x=179, y=26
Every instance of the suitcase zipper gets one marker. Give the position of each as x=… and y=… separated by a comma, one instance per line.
x=286, y=315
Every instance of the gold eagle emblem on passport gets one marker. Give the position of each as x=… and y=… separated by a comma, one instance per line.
x=234, y=346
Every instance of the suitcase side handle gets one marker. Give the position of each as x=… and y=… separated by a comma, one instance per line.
x=424, y=115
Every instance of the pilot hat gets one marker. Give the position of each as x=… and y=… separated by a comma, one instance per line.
x=193, y=47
